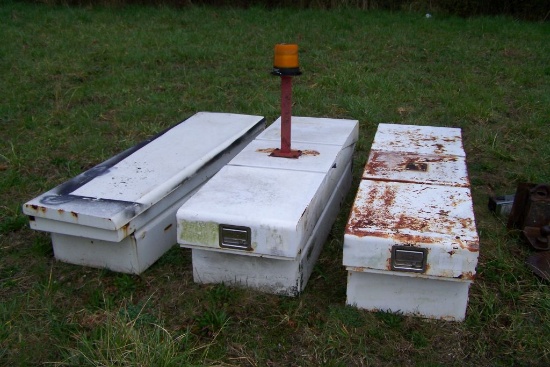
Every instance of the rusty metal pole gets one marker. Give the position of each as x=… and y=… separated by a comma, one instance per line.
x=286, y=114
x=286, y=66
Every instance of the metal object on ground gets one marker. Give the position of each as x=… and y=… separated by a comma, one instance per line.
x=120, y=214
x=539, y=263
x=501, y=205
x=531, y=214
x=287, y=206
x=410, y=243
x=286, y=65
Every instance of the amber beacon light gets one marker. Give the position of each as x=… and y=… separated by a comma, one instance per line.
x=286, y=65
x=285, y=61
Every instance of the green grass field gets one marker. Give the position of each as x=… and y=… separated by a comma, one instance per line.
x=78, y=85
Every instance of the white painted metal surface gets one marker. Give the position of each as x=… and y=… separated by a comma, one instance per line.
x=111, y=215
x=276, y=202
x=314, y=130
x=419, y=139
x=431, y=297
x=134, y=254
x=448, y=170
x=411, y=244
x=271, y=275
x=125, y=192
x=437, y=218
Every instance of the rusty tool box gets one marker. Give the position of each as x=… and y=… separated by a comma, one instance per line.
x=410, y=244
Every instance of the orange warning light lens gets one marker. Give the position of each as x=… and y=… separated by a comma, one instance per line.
x=286, y=56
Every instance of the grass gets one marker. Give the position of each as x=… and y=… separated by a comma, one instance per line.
x=81, y=84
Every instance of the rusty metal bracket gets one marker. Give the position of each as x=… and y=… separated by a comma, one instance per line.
x=531, y=214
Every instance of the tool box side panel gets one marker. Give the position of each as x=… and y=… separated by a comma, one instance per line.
x=410, y=295
x=264, y=274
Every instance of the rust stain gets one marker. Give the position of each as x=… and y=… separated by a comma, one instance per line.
x=304, y=152
x=467, y=275
x=413, y=223
x=452, y=139
x=60, y=211
x=440, y=148
x=125, y=229
x=364, y=218
x=470, y=245
x=380, y=161
x=416, y=166
x=466, y=222
x=37, y=208
x=396, y=180
x=375, y=163
x=74, y=214
x=358, y=269
x=388, y=263
x=388, y=196
x=310, y=152
x=410, y=239
x=265, y=150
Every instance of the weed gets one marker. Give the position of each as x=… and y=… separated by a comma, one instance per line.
x=125, y=284
x=137, y=314
x=42, y=246
x=220, y=294
x=124, y=343
x=392, y=319
x=211, y=321
x=99, y=300
x=347, y=315
x=11, y=220
x=419, y=340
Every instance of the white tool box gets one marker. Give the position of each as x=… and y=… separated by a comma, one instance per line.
x=121, y=214
x=411, y=245
x=261, y=221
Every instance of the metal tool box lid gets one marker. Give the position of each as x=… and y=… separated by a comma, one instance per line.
x=273, y=202
x=449, y=170
x=419, y=139
x=113, y=193
x=340, y=132
x=314, y=158
x=438, y=220
x=272, y=207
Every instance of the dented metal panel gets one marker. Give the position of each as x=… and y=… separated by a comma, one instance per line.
x=419, y=139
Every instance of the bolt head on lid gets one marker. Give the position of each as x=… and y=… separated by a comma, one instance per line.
x=285, y=62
